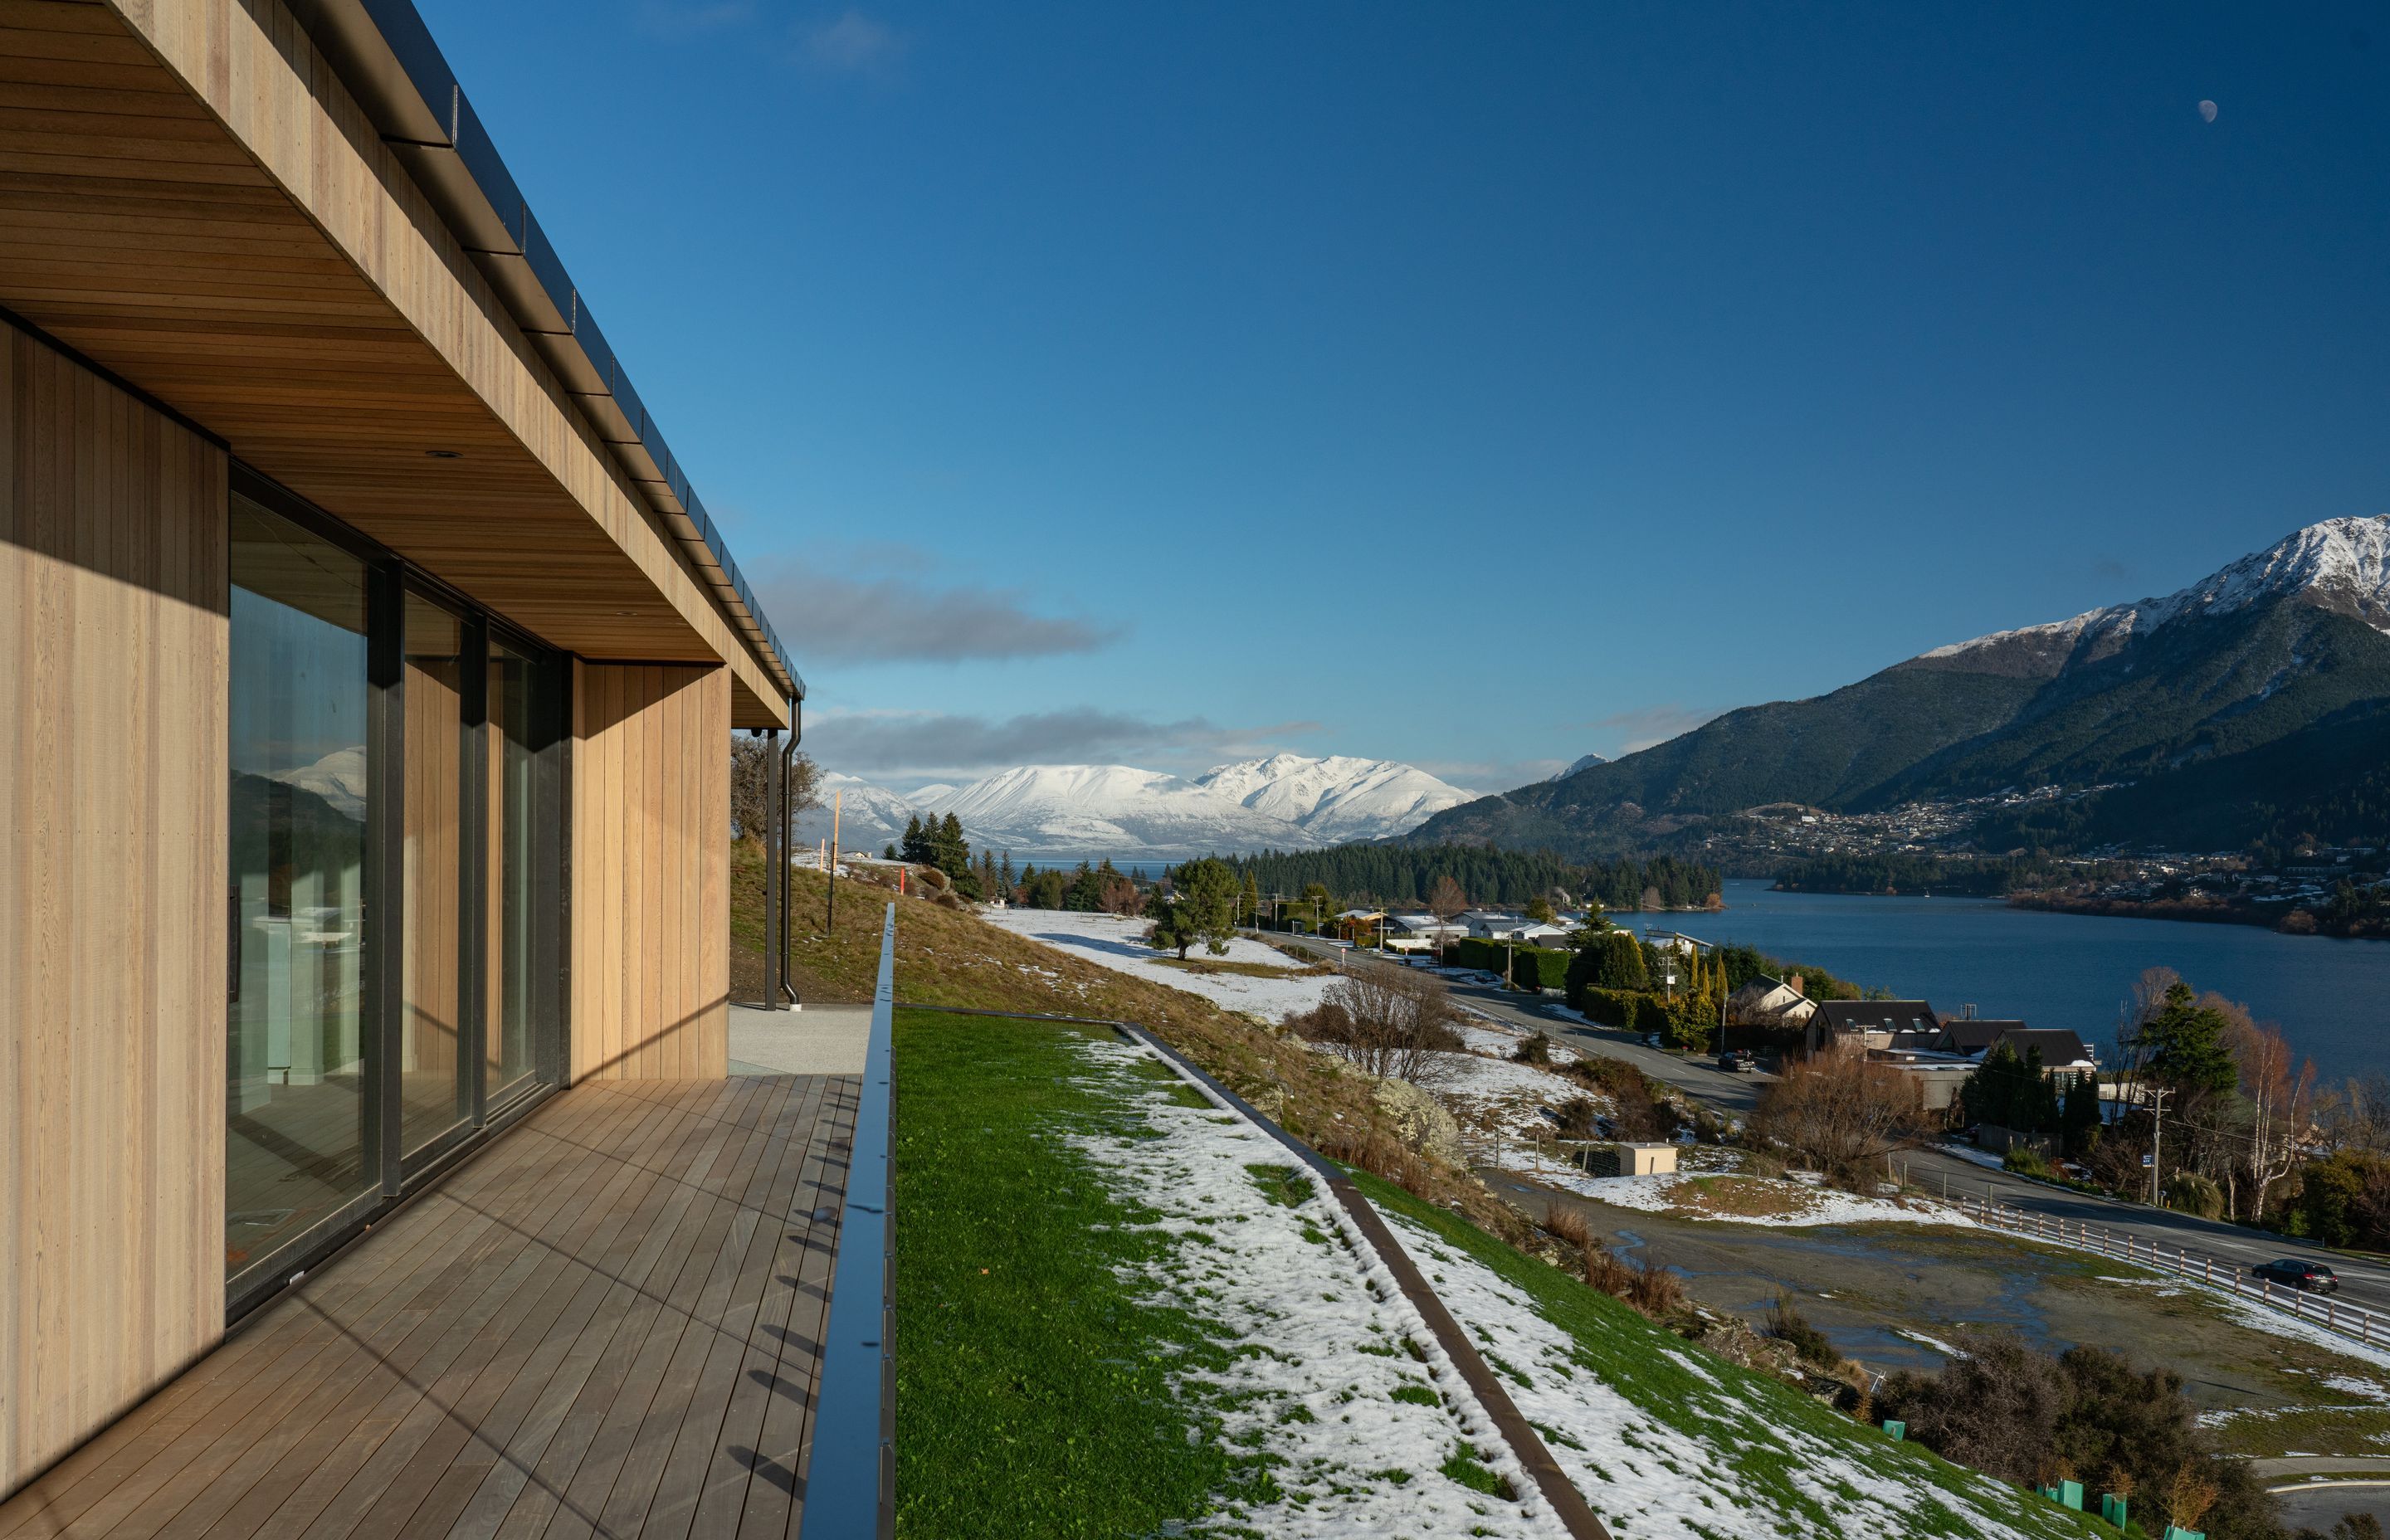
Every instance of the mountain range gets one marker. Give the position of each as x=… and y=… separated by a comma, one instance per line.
x=1056, y=811
x=2253, y=705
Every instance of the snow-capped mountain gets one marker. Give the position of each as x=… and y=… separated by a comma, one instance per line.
x=1056, y=810
x=1337, y=799
x=1583, y=761
x=868, y=816
x=1047, y=811
x=2342, y=565
x=2254, y=704
x=339, y=777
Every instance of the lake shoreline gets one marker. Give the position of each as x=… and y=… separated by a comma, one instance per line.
x=2190, y=911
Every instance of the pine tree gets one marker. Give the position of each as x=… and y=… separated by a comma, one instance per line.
x=1004, y=872
x=917, y=843
x=1249, y=901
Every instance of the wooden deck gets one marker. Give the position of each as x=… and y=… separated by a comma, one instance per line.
x=608, y=1324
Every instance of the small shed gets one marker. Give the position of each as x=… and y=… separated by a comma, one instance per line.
x=1647, y=1160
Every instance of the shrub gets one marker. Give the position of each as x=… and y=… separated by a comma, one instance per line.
x=1535, y=1050
x=1653, y=1290
x=2194, y=1194
x=1995, y=1408
x=2025, y=1161
x=1787, y=1324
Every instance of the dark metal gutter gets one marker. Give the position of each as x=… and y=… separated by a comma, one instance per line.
x=385, y=55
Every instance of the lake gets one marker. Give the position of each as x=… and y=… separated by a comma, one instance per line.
x=2331, y=998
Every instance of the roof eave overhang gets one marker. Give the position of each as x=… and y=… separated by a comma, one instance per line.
x=387, y=58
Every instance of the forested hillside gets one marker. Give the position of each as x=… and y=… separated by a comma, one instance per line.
x=1405, y=875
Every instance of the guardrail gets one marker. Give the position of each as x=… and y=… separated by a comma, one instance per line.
x=851, y=1484
x=2368, y=1327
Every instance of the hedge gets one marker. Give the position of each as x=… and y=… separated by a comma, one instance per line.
x=1628, y=1009
x=1530, y=966
x=1540, y=968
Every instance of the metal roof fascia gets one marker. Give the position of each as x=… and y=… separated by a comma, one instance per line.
x=386, y=55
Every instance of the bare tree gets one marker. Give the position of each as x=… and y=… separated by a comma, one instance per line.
x=2282, y=1102
x=1446, y=903
x=1842, y=1112
x=1391, y=1021
x=751, y=785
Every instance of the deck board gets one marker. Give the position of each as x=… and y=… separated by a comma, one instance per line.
x=608, y=1325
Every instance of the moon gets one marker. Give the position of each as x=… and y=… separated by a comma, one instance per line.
x=2207, y=111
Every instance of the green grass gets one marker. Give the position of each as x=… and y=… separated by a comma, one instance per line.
x=1647, y=1364
x=1034, y=1394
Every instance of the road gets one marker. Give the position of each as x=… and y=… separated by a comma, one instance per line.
x=2363, y=1282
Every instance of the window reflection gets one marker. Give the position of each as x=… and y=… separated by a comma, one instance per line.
x=295, y=1148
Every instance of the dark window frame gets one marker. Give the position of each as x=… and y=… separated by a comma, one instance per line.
x=398, y=1179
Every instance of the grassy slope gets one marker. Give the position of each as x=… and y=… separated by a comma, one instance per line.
x=1634, y=1356
x=1033, y=1389
x=950, y=957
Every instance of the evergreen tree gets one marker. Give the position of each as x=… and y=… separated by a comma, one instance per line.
x=890, y=853
x=1202, y=906
x=2187, y=1044
x=1086, y=893
x=917, y=849
x=1004, y=872
x=1249, y=901
x=949, y=851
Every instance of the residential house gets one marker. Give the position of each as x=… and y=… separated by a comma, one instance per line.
x=1864, y=1024
x=1765, y=1002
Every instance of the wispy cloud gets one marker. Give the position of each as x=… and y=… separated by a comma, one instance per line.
x=829, y=618
x=851, y=44
x=917, y=745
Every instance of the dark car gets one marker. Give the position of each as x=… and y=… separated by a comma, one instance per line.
x=2313, y=1276
x=1739, y=1062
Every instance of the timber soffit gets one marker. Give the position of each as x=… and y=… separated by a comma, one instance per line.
x=388, y=59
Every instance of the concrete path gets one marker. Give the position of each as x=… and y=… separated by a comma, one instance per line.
x=818, y=1040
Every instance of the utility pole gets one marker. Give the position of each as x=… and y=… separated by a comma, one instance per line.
x=2157, y=1135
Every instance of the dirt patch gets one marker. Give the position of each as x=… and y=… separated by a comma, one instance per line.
x=1890, y=1296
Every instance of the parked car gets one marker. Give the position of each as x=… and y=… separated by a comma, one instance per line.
x=1739, y=1062
x=2313, y=1276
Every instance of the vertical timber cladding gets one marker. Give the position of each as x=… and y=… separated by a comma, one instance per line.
x=650, y=871
x=113, y=686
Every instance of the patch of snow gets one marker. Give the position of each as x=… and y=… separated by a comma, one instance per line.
x=1118, y=944
x=1805, y=1205
x=1648, y=1478
x=2339, y=564
x=1320, y=1324
x=2364, y=1389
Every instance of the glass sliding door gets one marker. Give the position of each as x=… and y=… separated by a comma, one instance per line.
x=397, y=833
x=438, y=1077
x=300, y=1125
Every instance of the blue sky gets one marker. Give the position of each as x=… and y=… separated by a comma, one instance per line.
x=1478, y=386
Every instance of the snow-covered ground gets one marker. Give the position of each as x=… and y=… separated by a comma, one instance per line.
x=1645, y=1476
x=1118, y=945
x=1327, y=1340
x=1777, y=1201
